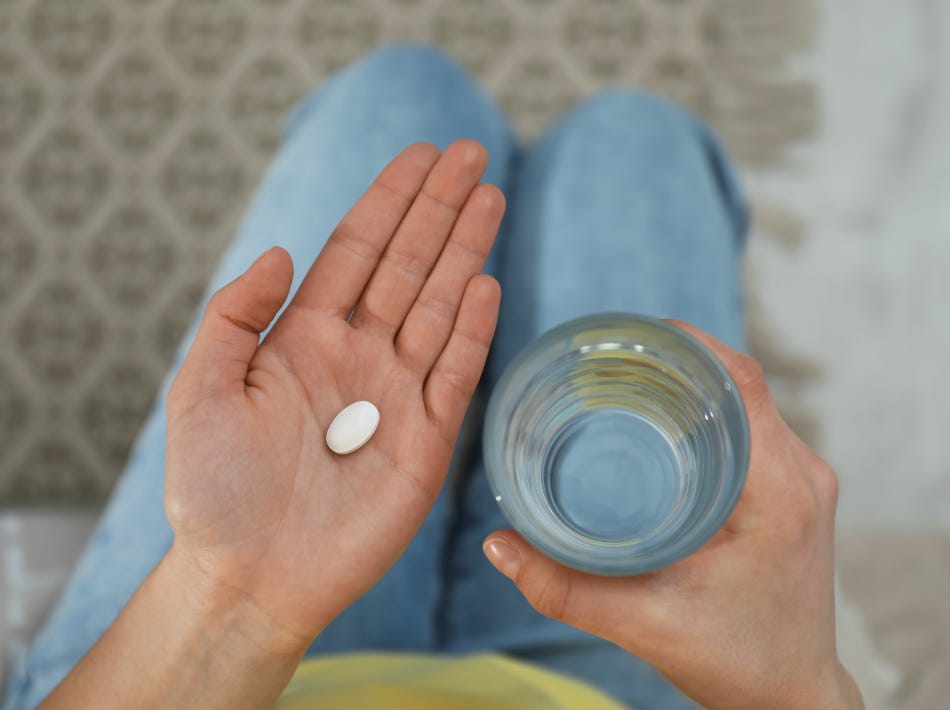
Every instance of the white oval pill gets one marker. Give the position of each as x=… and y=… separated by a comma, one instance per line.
x=352, y=427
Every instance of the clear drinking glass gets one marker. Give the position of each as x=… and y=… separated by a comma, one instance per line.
x=616, y=443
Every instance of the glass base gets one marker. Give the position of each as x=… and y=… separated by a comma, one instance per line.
x=613, y=476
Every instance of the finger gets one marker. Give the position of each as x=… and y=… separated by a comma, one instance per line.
x=429, y=324
x=615, y=608
x=744, y=370
x=413, y=250
x=341, y=270
x=236, y=315
x=453, y=378
x=771, y=485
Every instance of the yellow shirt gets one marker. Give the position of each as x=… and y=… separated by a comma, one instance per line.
x=390, y=681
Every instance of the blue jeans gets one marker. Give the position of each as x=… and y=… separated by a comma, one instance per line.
x=626, y=203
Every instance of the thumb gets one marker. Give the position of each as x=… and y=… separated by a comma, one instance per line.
x=235, y=317
x=637, y=613
x=590, y=602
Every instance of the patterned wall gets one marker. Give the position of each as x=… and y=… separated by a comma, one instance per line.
x=132, y=132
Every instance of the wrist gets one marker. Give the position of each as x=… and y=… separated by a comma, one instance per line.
x=220, y=637
x=226, y=612
x=201, y=644
x=848, y=693
x=835, y=691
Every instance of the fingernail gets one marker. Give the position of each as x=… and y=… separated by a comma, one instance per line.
x=503, y=555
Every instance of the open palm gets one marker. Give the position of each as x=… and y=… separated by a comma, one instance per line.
x=395, y=311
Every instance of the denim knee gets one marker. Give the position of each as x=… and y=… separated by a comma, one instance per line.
x=408, y=62
x=637, y=109
x=648, y=131
x=410, y=73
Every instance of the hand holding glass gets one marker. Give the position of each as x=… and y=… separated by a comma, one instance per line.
x=616, y=444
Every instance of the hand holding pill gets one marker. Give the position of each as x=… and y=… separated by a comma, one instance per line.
x=275, y=462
